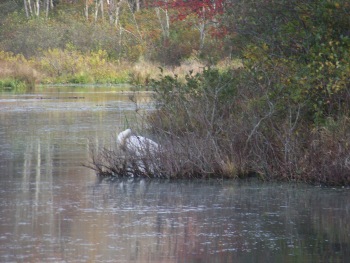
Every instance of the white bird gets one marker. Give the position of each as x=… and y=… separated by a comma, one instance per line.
x=145, y=150
x=137, y=145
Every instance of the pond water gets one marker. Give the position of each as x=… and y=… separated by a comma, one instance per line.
x=52, y=209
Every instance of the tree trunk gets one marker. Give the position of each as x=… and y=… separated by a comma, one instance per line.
x=202, y=27
x=30, y=8
x=26, y=8
x=167, y=23
x=102, y=11
x=163, y=24
x=201, y=35
x=136, y=24
x=137, y=5
x=37, y=8
x=86, y=9
x=110, y=6
x=47, y=7
x=96, y=9
x=117, y=11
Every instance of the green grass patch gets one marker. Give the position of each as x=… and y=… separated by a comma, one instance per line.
x=10, y=84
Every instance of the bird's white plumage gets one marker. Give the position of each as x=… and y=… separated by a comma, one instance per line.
x=137, y=145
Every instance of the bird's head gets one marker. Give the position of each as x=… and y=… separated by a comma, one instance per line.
x=123, y=136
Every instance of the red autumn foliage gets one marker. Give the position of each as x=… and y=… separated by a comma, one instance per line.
x=204, y=9
x=207, y=11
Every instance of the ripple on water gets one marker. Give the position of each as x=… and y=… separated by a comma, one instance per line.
x=53, y=210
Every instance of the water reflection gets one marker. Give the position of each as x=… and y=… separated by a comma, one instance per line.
x=54, y=210
x=160, y=221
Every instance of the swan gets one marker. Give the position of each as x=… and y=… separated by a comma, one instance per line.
x=145, y=150
x=137, y=145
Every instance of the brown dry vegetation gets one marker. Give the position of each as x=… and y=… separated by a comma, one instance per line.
x=227, y=127
x=17, y=71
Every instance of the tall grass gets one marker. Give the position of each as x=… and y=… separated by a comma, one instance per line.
x=70, y=65
x=17, y=73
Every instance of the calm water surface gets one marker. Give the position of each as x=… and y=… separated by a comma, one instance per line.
x=54, y=210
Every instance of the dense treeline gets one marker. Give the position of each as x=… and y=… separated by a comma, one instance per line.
x=126, y=29
x=100, y=41
x=282, y=112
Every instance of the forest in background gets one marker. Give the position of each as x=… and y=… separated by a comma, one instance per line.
x=84, y=41
x=167, y=31
x=264, y=87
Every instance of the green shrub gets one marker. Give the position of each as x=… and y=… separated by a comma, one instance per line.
x=306, y=58
x=13, y=85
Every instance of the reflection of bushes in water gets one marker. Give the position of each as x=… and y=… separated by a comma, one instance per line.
x=322, y=221
x=290, y=219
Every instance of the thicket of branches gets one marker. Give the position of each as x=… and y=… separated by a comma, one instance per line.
x=221, y=125
x=283, y=115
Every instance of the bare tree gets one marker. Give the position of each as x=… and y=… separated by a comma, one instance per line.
x=48, y=6
x=117, y=11
x=33, y=8
x=137, y=4
x=25, y=3
x=96, y=8
x=113, y=9
x=164, y=21
x=37, y=8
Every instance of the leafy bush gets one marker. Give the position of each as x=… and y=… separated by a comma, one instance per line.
x=306, y=57
x=235, y=124
x=12, y=85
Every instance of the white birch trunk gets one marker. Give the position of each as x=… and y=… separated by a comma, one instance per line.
x=117, y=12
x=201, y=35
x=26, y=8
x=137, y=5
x=96, y=9
x=167, y=23
x=136, y=24
x=86, y=9
x=37, y=8
x=202, y=28
x=165, y=26
x=47, y=7
x=30, y=8
x=102, y=11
